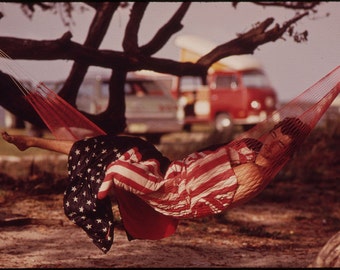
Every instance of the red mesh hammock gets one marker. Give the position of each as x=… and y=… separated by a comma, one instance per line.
x=65, y=122
x=308, y=107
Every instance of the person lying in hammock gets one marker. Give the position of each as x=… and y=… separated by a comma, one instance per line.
x=203, y=183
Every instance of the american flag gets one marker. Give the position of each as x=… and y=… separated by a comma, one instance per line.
x=151, y=191
x=87, y=164
x=201, y=184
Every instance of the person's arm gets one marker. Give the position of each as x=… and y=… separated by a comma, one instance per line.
x=250, y=182
x=139, y=178
x=23, y=142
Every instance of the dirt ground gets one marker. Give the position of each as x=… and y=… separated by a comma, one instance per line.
x=284, y=227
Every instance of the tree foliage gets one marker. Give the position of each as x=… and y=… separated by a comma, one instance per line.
x=134, y=56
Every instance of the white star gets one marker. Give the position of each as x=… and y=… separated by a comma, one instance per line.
x=87, y=148
x=88, y=202
x=81, y=209
x=104, y=151
x=99, y=220
x=67, y=204
x=104, y=229
x=77, y=152
x=88, y=226
x=74, y=189
x=75, y=199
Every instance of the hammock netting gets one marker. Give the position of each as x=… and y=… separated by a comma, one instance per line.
x=67, y=123
x=64, y=121
x=308, y=107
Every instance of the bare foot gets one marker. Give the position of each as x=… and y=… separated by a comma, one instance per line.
x=20, y=141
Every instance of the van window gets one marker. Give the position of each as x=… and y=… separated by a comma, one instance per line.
x=226, y=82
x=255, y=80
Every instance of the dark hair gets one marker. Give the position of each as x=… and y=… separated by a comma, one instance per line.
x=295, y=129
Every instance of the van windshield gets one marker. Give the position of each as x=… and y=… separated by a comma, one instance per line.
x=255, y=80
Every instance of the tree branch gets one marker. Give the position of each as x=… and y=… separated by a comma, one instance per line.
x=247, y=43
x=96, y=34
x=163, y=35
x=130, y=42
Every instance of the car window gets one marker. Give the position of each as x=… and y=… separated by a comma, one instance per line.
x=226, y=82
x=189, y=83
x=144, y=88
x=255, y=80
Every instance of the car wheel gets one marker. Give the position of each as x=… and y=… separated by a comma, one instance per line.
x=223, y=123
x=187, y=127
x=248, y=127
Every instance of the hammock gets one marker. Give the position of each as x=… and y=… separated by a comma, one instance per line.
x=309, y=107
x=65, y=122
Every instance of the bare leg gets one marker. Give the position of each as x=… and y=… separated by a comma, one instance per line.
x=23, y=142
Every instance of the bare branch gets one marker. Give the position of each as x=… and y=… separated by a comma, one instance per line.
x=288, y=5
x=247, y=43
x=163, y=35
x=130, y=42
x=96, y=34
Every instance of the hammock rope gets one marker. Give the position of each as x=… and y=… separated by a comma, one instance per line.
x=63, y=120
x=66, y=122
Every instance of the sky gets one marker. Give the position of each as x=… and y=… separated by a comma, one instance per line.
x=291, y=67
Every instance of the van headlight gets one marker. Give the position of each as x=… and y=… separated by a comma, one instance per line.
x=255, y=105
